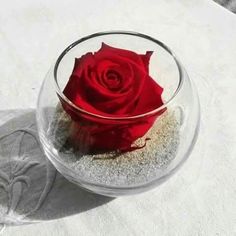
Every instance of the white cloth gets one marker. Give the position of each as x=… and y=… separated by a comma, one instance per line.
x=198, y=200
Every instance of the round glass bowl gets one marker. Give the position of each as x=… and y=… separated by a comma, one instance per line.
x=161, y=151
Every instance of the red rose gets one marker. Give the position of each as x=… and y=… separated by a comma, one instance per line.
x=111, y=82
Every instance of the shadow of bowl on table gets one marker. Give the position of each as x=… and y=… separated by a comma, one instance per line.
x=30, y=187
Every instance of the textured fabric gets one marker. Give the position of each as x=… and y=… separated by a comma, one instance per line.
x=29, y=184
x=199, y=199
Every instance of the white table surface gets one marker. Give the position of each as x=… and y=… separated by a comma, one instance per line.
x=201, y=198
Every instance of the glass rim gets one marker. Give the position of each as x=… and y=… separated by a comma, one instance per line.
x=121, y=32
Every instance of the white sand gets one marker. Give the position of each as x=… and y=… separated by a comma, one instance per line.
x=135, y=167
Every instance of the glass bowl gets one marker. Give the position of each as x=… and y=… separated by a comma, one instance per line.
x=158, y=154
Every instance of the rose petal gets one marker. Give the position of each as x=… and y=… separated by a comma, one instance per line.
x=150, y=97
x=126, y=54
x=146, y=58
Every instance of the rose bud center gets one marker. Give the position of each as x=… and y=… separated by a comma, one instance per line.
x=112, y=80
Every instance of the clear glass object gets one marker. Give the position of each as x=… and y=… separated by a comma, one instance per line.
x=172, y=136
